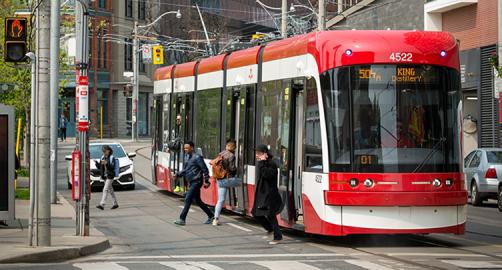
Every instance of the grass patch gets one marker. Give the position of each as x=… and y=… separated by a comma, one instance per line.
x=23, y=172
x=23, y=193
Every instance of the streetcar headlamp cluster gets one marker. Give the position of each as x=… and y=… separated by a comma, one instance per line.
x=348, y=52
x=436, y=182
x=368, y=183
x=442, y=53
x=448, y=182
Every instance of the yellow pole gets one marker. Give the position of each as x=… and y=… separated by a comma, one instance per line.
x=19, y=121
x=101, y=122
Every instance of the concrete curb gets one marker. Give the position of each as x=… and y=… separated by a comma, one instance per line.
x=58, y=254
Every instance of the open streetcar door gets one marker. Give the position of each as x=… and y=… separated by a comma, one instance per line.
x=297, y=157
x=238, y=113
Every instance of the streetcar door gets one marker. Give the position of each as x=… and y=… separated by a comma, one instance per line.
x=298, y=116
x=182, y=126
x=236, y=129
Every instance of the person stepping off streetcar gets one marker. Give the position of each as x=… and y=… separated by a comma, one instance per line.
x=196, y=172
x=109, y=166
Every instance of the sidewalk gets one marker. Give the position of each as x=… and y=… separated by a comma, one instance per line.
x=65, y=245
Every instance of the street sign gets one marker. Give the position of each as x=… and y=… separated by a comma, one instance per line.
x=83, y=103
x=146, y=52
x=75, y=175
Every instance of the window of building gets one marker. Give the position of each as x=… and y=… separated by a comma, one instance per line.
x=208, y=121
x=99, y=50
x=141, y=9
x=349, y=3
x=142, y=65
x=105, y=50
x=102, y=4
x=128, y=8
x=128, y=54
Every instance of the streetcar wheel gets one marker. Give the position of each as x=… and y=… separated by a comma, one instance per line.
x=499, y=199
x=475, y=198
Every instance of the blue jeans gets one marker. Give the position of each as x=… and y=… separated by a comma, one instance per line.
x=194, y=194
x=222, y=194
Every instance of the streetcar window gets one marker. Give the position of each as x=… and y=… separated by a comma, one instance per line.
x=312, y=130
x=392, y=118
x=208, y=121
x=270, y=115
x=494, y=157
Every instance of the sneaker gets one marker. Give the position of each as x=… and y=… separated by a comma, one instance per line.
x=216, y=222
x=209, y=220
x=274, y=242
x=180, y=222
x=115, y=206
x=177, y=189
x=99, y=206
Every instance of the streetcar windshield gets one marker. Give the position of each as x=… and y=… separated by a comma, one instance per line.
x=392, y=118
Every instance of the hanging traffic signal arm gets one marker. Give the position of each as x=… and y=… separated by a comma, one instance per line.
x=15, y=33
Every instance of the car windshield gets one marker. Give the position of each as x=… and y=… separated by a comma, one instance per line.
x=494, y=157
x=96, y=151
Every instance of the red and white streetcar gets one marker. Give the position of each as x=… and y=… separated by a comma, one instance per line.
x=364, y=126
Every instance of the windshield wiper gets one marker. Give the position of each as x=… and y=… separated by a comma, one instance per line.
x=435, y=148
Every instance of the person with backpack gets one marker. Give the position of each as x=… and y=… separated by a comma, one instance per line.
x=196, y=172
x=267, y=200
x=109, y=167
x=224, y=170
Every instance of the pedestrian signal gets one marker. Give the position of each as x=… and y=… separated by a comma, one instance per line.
x=158, y=55
x=15, y=34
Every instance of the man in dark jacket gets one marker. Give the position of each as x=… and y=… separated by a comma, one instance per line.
x=197, y=174
x=267, y=200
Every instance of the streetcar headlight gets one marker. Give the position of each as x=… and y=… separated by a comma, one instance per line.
x=442, y=53
x=368, y=183
x=348, y=52
x=448, y=182
x=353, y=182
x=436, y=182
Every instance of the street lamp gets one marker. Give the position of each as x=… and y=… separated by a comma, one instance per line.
x=135, y=78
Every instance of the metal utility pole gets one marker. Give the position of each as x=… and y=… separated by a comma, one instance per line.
x=54, y=95
x=321, y=18
x=210, y=50
x=82, y=99
x=33, y=61
x=43, y=130
x=284, y=19
x=135, y=83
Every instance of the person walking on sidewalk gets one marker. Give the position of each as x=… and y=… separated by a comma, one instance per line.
x=109, y=166
x=62, y=127
x=197, y=174
x=267, y=200
x=224, y=163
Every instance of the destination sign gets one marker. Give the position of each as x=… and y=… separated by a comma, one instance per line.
x=395, y=74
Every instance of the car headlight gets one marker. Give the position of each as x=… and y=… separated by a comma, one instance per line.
x=125, y=168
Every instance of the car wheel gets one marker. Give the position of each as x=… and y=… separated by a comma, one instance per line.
x=131, y=187
x=499, y=199
x=475, y=198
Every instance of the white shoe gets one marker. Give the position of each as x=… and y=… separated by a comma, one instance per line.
x=216, y=222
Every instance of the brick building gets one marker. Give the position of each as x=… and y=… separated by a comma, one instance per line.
x=475, y=24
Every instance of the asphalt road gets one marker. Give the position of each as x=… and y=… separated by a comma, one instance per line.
x=143, y=236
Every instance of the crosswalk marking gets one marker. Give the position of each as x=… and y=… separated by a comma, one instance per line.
x=191, y=265
x=474, y=264
x=100, y=266
x=285, y=265
x=368, y=265
x=239, y=227
x=222, y=256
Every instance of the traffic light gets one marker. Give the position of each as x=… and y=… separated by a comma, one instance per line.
x=158, y=55
x=15, y=34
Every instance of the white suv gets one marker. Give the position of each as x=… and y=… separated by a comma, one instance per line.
x=126, y=170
